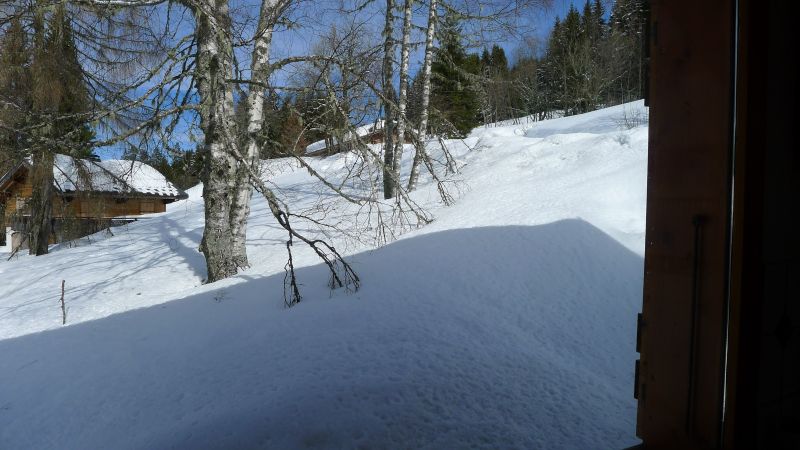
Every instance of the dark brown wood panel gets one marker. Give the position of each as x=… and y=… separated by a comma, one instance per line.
x=688, y=192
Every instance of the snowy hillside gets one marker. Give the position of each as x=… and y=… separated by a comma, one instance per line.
x=508, y=322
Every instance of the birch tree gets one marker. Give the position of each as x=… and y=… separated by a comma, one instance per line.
x=214, y=67
x=231, y=170
x=422, y=127
x=260, y=70
x=491, y=16
x=389, y=101
x=402, y=102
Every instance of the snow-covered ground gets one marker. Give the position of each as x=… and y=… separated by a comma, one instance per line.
x=508, y=322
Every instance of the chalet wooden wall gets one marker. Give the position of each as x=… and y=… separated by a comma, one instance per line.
x=101, y=206
x=21, y=188
x=91, y=205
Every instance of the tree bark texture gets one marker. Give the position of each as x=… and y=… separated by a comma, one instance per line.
x=403, y=98
x=389, y=182
x=41, y=204
x=259, y=73
x=419, y=141
x=214, y=68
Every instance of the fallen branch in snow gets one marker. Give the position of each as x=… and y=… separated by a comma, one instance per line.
x=342, y=274
x=290, y=280
x=325, y=251
x=63, y=306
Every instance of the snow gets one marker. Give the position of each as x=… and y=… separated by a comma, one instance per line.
x=113, y=175
x=509, y=322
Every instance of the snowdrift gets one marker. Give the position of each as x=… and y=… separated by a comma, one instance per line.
x=491, y=336
x=507, y=323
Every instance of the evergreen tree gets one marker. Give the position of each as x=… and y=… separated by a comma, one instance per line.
x=414, y=112
x=61, y=101
x=599, y=12
x=58, y=114
x=497, y=96
x=589, y=62
x=572, y=42
x=72, y=98
x=184, y=169
x=578, y=69
x=275, y=113
x=486, y=60
x=591, y=27
x=292, y=137
x=15, y=93
x=553, y=71
x=454, y=96
x=628, y=17
x=626, y=35
x=528, y=96
x=14, y=99
x=499, y=62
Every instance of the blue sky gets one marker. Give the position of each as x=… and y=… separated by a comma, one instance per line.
x=316, y=17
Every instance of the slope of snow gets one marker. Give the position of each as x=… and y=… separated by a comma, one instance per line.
x=508, y=322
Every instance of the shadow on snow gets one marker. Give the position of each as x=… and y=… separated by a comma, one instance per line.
x=510, y=337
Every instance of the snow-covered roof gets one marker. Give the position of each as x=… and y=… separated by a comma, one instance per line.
x=111, y=176
x=361, y=131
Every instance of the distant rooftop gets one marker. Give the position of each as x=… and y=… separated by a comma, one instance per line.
x=109, y=176
x=361, y=131
x=112, y=176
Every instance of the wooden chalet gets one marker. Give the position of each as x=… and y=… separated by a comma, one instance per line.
x=89, y=195
x=372, y=133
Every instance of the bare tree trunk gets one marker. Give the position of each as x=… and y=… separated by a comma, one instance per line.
x=214, y=68
x=389, y=182
x=419, y=141
x=41, y=206
x=403, y=100
x=259, y=73
x=39, y=224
